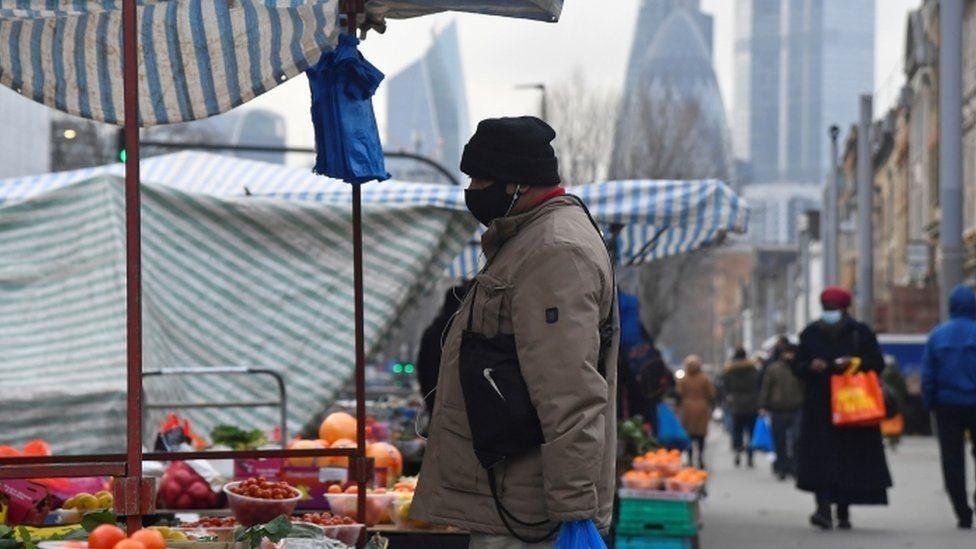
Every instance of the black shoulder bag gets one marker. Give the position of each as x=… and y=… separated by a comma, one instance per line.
x=503, y=421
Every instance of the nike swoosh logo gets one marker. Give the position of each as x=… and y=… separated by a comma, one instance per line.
x=487, y=373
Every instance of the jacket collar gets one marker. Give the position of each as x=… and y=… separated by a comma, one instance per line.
x=504, y=228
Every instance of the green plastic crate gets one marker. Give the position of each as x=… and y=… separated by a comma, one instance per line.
x=653, y=543
x=647, y=517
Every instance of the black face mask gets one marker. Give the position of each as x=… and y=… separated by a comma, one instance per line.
x=489, y=203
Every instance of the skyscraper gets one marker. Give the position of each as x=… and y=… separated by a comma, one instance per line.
x=800, y=67
x=427, y=110
x=672, y=122
x=25, y=141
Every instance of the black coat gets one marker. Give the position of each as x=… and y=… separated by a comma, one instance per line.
x=847, y=463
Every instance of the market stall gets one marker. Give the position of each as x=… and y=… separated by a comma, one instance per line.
x=183, y=61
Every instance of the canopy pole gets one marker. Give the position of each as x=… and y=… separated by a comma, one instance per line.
x=133, y=269
x=353, y=7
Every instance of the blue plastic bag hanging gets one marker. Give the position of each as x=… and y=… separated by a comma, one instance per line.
x=670, y=433
x=579, y=534
x=347, y=143
x=762, y=436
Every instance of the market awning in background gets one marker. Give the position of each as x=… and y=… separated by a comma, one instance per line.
x=657, y=219
x=197, y=58
x=543, y=10
x=228, y=281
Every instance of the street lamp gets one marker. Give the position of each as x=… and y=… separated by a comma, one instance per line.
x=542, y=89
x=70, y=134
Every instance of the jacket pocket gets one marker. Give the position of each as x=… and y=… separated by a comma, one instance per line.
x=459, y=468
x=490, y=316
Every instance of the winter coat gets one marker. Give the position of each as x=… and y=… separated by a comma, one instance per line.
x=697, y=397
x=781, y=390
x=846, y=462
x=740, y=384
x=549, y=282
x=949, y=363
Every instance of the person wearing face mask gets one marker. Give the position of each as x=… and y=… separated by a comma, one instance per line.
x=842, y=466
x=546, y=297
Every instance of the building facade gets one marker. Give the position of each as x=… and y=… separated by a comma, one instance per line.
x=23, y=152
x=800, y=66
x=427, y=112
x=672, y=121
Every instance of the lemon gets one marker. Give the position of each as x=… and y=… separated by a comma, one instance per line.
x=86, y=502
x=105, y=500
x=70, y=503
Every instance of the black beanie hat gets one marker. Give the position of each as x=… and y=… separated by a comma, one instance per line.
x=512, y=150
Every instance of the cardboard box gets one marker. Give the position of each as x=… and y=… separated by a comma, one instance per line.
x=313, y=482
x=269, y=468
x=24, y=502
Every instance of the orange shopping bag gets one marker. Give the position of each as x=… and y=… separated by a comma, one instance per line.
x=856, y=399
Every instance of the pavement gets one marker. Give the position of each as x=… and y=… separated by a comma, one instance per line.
x=751, y=509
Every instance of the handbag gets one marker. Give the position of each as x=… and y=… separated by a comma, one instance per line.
x=762, y=436
x=856, y=398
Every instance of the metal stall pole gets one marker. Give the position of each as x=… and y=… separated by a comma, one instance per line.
x=865, y=200
x=362, y=467
x=132, y=490
x=950, y=148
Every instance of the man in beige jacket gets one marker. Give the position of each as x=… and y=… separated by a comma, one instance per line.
x=549, y=282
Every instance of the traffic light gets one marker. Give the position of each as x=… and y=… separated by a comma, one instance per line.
x=403, y=368
x=120, y=144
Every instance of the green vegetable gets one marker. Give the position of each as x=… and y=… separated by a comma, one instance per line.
x=25, y=538
x=238, y=439
x=94, y=519
x=275, y=531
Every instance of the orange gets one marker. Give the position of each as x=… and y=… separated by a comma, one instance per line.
x=386, y=455
x=338, y=461
x=152, y=539
x=334, y=489
x=353, y=489
x=129, y=544
x=105, y=536
x=337, y=425
x=37, y=447
x=303, y=445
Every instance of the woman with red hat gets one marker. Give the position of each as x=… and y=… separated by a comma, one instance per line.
x=842, y=466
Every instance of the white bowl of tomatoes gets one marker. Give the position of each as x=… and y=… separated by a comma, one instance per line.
x=256, y=500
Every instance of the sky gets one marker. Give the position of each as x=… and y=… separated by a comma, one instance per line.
x=498, y=54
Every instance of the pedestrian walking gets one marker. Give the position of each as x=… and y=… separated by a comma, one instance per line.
x=842, y=466
x=696, y=395
x=949, y=389
x=523, y=436
x=740, y=382
x=781, y=397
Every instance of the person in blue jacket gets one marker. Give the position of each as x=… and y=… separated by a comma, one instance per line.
x=949, y=389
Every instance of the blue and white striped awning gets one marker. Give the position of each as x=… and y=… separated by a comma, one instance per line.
x=542, y=10
x=197, y=58
x=658, y=218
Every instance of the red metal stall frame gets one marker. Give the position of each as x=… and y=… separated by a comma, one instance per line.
x=133, y=493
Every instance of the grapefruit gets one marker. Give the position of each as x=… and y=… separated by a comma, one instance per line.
x=337, y=425
x=339, y=461
x=303, y=445
x=386, y=455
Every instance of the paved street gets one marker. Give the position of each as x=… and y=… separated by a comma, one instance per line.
x=751, y=509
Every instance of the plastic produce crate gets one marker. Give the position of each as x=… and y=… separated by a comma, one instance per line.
x=657, y=518
x=653, y=543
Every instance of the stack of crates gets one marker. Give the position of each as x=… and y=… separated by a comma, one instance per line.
x=651, y=523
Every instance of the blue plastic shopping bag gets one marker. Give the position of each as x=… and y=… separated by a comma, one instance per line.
x=670, y=433
x=762, y=436
x=579, y=534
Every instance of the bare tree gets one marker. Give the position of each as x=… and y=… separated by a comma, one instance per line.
x=584, y=119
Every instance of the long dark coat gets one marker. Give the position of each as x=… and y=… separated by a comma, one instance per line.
x=846, y=464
